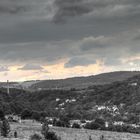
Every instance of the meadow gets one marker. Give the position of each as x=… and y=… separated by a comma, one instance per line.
x=27, y=128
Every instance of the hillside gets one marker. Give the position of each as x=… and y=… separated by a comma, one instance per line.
x=123, y=95
x=84, y=82
x=72, y=83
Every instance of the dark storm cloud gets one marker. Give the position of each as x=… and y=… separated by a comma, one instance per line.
x=98, y=8
x=105, y=29
x=12, y=7
x=11, y=10
x=100, y=42
x=70, y=8
x=79, y=61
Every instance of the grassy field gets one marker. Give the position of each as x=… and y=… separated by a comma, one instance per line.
x=28, y=128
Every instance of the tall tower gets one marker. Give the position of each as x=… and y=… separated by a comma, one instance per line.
x=8, y=91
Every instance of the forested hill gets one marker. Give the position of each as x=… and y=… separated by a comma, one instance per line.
x=124, y=94
x=84, y=82
x=71, y=83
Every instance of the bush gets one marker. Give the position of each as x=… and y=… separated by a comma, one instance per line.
x=65, y=120
x=100, y=122
x=48, y=135
x=26, y=114
x=45, y=129
x=90, y=138
x=93, y=125
x=76, y=125
x=5, y=128
x=36, y=115
x=60, y=123
x=2, y=115
x=35, y=137
x=51, y=136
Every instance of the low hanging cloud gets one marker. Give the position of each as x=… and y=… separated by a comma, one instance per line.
x=4, y=68
x=79, y=61
x=99, y=42
x=31, y=67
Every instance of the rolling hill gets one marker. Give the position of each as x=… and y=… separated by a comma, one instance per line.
x=72, y=83
x=84, y=82
x=78, y=101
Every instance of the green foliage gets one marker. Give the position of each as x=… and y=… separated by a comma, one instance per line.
x=5, y=128
x=100, y=122
x=92, y=126
x=36, y=115
x=40, y=104
x=45, y=129
x=76, y=125
x=47, y=134
x=52, y=136
x=2, y=115
x=90, y=138
x=26, y=114
x=97, y=124
x=35, y=137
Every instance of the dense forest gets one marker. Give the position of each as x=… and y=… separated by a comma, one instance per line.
x=79, y=104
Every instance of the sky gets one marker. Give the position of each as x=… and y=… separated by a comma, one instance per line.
x=54, y=39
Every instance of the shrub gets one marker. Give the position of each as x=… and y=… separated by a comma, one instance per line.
x=36, y=115
x=90, y=138
x=100, y=122
x=2, y=116
x=60, y=123
x=51, y=136
x=48, y=135
x=35, y=137
x=26, y=114
x=93, y=125
x=5, y=128
x=65, y=120
x=75, y=125
x=45, y=129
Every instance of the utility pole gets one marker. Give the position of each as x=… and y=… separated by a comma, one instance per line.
x=8, y=91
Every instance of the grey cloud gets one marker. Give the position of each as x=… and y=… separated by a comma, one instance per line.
x=12, y=10
x=12, y=7
x=24, y=8
x=112, y=62
x=95, y=29
x=70, y=8
x=4, y=68
x=79, y=61
x=137, y=36
x=137, y=61
x=97, y=8
x=31, y=67
x=37, y=52
x=100, y=42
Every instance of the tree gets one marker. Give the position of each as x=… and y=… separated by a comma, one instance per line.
x=36, y=115
x=26, y=114
x=76, y=125
x=5, y=128
x=92, y=126
x=2, y=116
x=35, y=137
x=45, y=129
x=48, y=135
x=100, y=121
